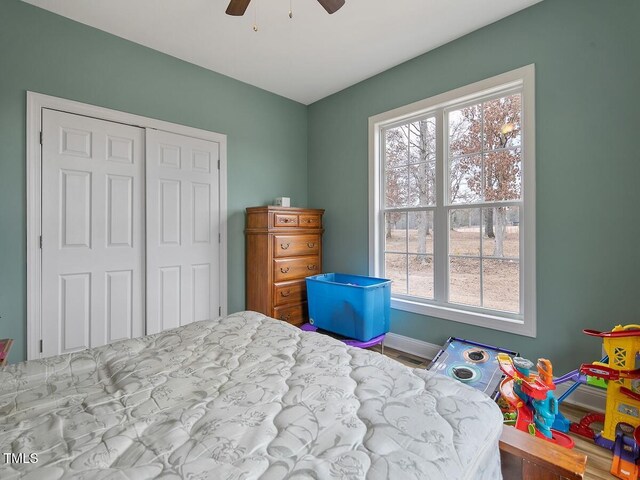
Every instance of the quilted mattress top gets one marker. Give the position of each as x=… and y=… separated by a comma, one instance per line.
x=241, y=397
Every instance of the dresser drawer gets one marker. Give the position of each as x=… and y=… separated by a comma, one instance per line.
x=294, y=314
x=294, y=268
x=289, y=292
x=295, y=245
x=310, y=221
x=285, y=220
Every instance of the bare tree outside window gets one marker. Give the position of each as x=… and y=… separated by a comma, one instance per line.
x=483, y=167
x=410, y=155
x=485, y=148
x=485, y=152
x=422, y=145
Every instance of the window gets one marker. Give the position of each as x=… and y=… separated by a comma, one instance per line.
x=452, y=192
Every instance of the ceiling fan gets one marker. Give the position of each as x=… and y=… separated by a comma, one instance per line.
x=238, y=7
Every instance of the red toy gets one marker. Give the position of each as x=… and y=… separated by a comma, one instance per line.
x=532, y=397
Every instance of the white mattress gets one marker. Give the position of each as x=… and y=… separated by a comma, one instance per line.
x=242, y=397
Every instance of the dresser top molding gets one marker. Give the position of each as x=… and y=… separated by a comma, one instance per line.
x=267, y=219
x=273, y=208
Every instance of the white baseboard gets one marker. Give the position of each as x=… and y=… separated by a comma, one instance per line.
x=411, y=345
x=585, y=396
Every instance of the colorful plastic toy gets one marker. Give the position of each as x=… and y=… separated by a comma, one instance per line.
x=531, y=395
x=5, y=348
x=621, y=433
x=582, y=428
x=472, y=363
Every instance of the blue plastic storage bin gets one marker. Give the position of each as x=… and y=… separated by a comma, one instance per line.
x=350, y=305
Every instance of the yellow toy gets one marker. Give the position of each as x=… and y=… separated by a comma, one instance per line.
x=621, y=432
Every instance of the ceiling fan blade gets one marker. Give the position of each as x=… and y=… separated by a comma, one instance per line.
x=331, y=6
x=237, y=7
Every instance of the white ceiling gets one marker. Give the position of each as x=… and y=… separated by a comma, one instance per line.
x=307, y=58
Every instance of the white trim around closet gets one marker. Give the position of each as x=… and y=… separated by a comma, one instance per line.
x=35, y=103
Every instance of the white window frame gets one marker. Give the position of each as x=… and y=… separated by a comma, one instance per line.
x=521, y=324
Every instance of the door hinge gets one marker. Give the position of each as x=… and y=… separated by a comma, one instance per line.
x=219, y=238
x=218, y=164
x=219, y=311
x=40, y=346
x=40, y=241
x=40, y=138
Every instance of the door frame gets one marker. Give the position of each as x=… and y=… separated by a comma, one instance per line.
x=36, y=102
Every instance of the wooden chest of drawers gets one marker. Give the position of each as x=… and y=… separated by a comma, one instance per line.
x=283, y=246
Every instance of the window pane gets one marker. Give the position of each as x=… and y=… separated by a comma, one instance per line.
x=501, y=232
x=502, y=126
x=422, y=184
x=464, y=232
x=501, y=285
x=421, y=276
x=396, y=187
x=395, y=269
x=421, y=232
x=464, y=281
x=465, y=179
x=396, y=146
x=503, y=175
x=422, y=141
x=395, y=238
x=465, y=130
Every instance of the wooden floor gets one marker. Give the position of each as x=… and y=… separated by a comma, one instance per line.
x=599, y=459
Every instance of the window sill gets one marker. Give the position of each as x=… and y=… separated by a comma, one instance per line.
x=495, y=322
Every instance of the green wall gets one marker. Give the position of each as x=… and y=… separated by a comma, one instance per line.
x=586, y=54
x=46, y=53
x=588, y=166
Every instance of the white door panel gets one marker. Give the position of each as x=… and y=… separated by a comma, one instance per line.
x=182, y=230
x=92, y=232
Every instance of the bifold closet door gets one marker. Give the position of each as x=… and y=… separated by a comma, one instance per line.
x=183, y=227
x=92, y=232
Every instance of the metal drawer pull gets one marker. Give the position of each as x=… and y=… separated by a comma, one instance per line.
x=285, y=294
x=311, y=244
x=284, y=246
x=312, y=267
x=284, y=270
x=284, y=220
x=285, y=317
